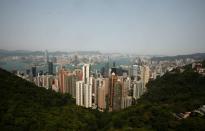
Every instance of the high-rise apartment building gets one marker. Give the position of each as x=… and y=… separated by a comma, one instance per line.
x=79, y=93
x=113, y=80
x=126, y=95
x=138, y=89
x=86, y=73
x=70, y=84
x=146, y=75
x=102, y=93
x=117, y=96
x=86, y=84
x=87, y=93
x=62, y=75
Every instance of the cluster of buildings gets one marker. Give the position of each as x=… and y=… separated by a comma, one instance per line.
x=197, y=112
x=112, y=88
x=198, y=68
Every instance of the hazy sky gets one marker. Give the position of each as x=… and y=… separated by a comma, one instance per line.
x=131, y=26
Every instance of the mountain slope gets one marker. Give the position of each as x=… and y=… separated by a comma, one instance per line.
x=178, y=91
x=24, y=106
x=173, y=93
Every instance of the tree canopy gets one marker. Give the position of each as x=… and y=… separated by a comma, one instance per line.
x=24, y=106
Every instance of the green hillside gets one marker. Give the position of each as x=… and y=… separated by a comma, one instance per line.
x=24, y=106
x=175, y=92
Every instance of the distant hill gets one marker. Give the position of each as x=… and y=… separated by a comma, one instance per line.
x=24, y=106
x=197, y=56
x=35, y=53
x=19, y=53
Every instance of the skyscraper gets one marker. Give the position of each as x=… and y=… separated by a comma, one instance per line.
x=126, y=96
x=146, y=75
x=50, y=68
x=46, y=57
x=86, y=73
x=27, y=71
x=62, y=75
x=102, y=93
x=113, y=80
x=34, y=73
x=79, y=93
x=87, y=93
x=135, y=70
x=117, y=96
x=84, y=88
x=138, y=89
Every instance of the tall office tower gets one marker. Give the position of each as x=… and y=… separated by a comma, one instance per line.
x=27, y=71
x=75, y=60
x=79, y=93
x=46, y=56
x=105, y=69
x=102, y=71
x=113, y=80
x=50, y=68
x=34, y=73
x=86, y=73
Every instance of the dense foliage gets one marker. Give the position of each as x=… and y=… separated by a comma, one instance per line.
x=24, y=106
x=178, y=91
x=174, y=92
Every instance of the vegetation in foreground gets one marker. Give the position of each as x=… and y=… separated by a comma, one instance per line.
x=23, y=106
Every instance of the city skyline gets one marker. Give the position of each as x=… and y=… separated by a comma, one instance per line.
x=141, y=27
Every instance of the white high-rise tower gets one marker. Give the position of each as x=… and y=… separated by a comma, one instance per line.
x=84, y=88
x=86, y=73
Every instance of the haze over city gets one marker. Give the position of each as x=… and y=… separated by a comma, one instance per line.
x=129, y=26
x=101, y=65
